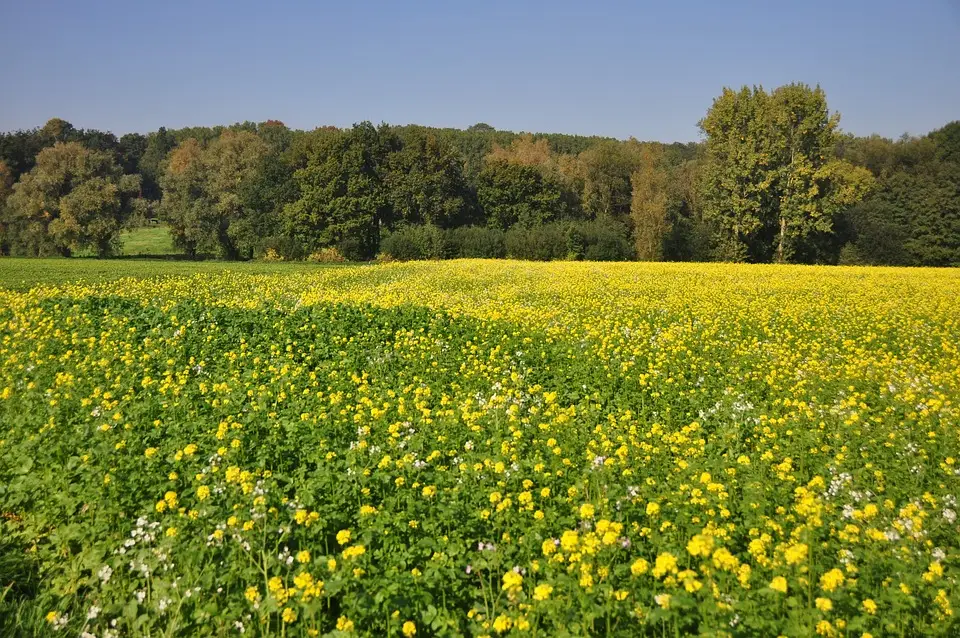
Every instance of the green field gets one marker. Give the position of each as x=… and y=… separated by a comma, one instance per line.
x=148, y=240
x=479, y=448
x=25, y=273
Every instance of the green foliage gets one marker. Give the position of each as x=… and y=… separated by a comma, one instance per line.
x=776, y=180
x=425, y=182
x=478, y=242
x=415, y=242
x=343, y=200
x=204, y=192
x=770, y=181
x=515, y=194
x=73, y=199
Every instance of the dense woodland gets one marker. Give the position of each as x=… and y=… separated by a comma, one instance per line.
x=774, y=180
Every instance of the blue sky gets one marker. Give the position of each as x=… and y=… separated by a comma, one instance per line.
x=642, y=69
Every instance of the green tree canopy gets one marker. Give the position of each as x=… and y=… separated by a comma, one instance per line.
x=73, y=199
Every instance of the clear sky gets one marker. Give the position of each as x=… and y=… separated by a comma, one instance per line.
x=642, y=69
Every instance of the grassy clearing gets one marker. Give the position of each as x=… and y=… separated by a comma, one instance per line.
x=148, y=240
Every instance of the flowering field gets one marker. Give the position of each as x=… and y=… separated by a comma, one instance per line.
x=483, y=448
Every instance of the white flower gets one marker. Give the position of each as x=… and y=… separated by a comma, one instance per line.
x=93, y=612
x=949, y=515
x=105, y=573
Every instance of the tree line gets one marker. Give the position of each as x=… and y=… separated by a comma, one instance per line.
x=774, y=180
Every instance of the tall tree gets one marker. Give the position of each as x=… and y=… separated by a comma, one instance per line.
x=343, y=199
x=202, y=192
x=425, y=182
x=648, y=208
x=74, y=198
x=606, y=168
x=512, y=194
x=159, y=145
x=770, y=180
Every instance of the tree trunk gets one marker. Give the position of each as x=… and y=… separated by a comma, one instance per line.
x=783, y=233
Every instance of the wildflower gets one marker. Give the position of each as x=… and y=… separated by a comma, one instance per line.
x=512, y=581
x=409, y=629
x=870, y=606
x=542, y=591
x=639, y=567
x=303, y=556
x=824, y=604
x=344, y=536
x=831, y=580
x=289, y=615
x=666, y=562
x=796, y=554
x=779, y=583
x=354, y=551
x=502, y=623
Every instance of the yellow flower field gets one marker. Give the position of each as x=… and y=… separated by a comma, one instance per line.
x=483, y=448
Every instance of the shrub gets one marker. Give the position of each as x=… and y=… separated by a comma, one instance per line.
x=285, y=248
x=476, y=242
x=415, y=242
x=604, y=241
x=539, y=243
x=328, y=255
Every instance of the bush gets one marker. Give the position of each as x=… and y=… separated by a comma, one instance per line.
x=328, y=255
x=361, y=248
x=604, y=241
x=850, y=255
x=415, y=242
x=539, y=243
x=286, y=248
x=476, y=242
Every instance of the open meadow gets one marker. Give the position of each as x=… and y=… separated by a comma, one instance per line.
x=478, y=448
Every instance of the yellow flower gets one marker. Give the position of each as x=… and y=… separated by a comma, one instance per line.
x=569, y=540
x=303, y=556
x=51, y=616
x=870, y=606
x=171, y=532
x=289, y=615
x=409, y=629
x=203, y=492
x=832, y=579
x=502, y=623
x=796, y=554
x=344, y=624
x=666, y=562
x=700, y=545
x=587, y=511
x=723, y=559
x=150, y=452
x=542, y=592
x=824, y=604
x=653, y=509
x=639, y=567
x=252, y=594
x=428, y=492
x=344, y=536
x=354, y=551
x=512, y=581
